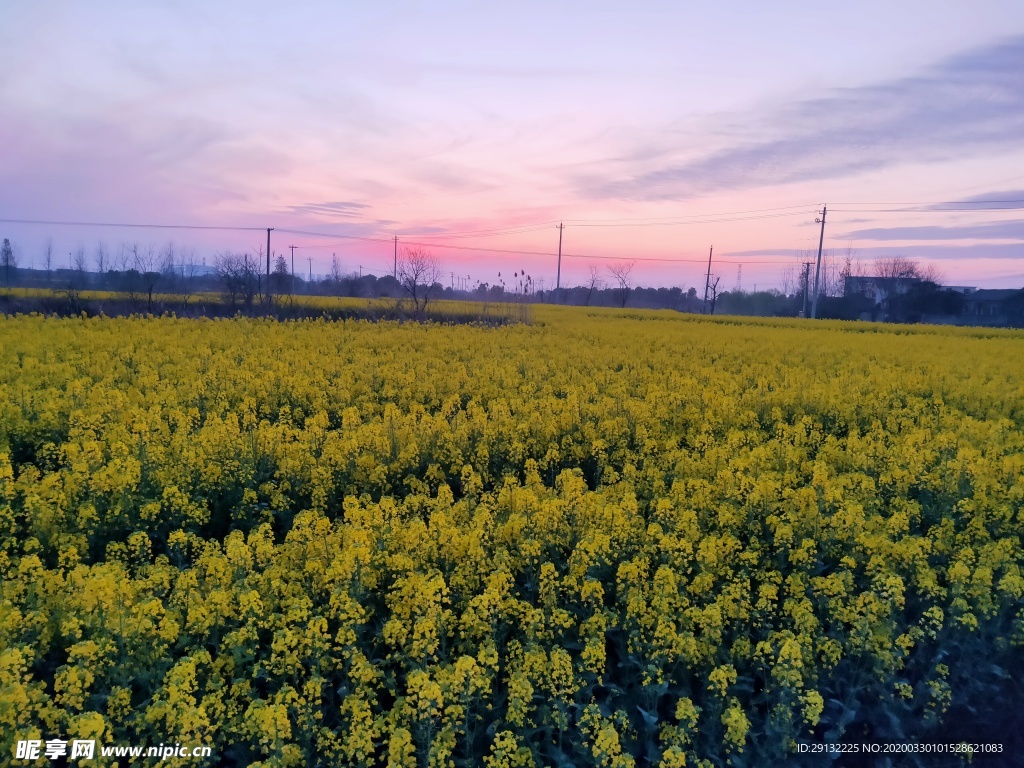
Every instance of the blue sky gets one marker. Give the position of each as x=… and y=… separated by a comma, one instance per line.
x=640, y=126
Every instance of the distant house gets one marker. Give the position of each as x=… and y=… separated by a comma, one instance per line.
x=880, y=298
x=879, y=289
x=996, y=306
x=913, y=300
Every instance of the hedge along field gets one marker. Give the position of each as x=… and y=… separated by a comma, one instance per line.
x=601, y=539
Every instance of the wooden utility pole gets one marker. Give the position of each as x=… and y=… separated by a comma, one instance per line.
x=396, y=258
x=291, y=287
x=269, y=230
x=817, y=269
x=707, y=282
x=310, y=260
x=806, y=282
x=558, y=276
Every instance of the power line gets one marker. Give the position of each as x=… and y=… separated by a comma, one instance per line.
x=752, y=214
x=521, y=253
x=921, y=210
x=314, y=246
x=564, y=255
x=413, y=242
x=944, y=202
x=343, y=237
x=725, y=216
x=484, y=232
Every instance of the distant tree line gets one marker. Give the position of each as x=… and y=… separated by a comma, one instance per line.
x=169, y=276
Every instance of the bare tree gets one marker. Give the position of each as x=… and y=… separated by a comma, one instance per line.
x=102, y=260
x=894, y=276
x=594, y=283
x=713, y=282
x=791, y=283
x=418, y=272
x=281, y=276
x=229, y=275
x=128, y=259
x=620, y=273
x=150, y=266
x=123, y=260
x=930, y=274
x=77, y=279
x=254, y=272
x=254, y=283
x=8, y=261
x=896, y=268
x=78, y=262
x=830, y=277
x=848, y=268
x=239, y=275
x=831, y=274
x=189, y=270
x=168, y=268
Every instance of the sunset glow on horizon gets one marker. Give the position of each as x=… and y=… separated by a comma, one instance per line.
x=652, y=133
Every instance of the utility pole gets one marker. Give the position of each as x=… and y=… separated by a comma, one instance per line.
x=558, y=277
x=817, y=269
x=360, y=271
x=806, y=282
x=396, y=258
x=707, y=282
x=269, y=229
x=293, y=262
x=310, y=260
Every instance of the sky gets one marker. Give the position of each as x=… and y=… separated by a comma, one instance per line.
x=652, y=130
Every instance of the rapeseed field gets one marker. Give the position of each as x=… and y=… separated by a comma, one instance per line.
x=600, y=539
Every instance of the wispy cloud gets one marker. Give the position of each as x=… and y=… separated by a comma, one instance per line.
x=993, y=230
x=343, y=210
x=968, y=104
x=91, y=165
x=1005, y=199
x=965, y=253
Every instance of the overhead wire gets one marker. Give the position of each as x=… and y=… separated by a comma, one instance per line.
x=484, y=232
x=706, y=218
x=920, y=210
x=334, y=235
x=943, y=202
